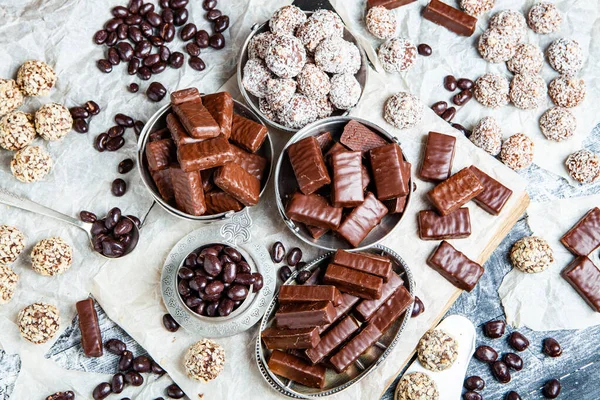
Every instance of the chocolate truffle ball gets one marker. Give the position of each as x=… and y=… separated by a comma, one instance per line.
x=565, y=56
x=285, y=56
x=323, y=106
x=567, y=91
x=31, y=164
x=527, y=91
x=531, y=254
x=257, y=48
x=381, y=22
x=487, y=135
x=437, y=350
x=204, y=360
x=517, y=151
x=322, y=24
x=397, y=55
x=337, y=56
x=38, y=322
x=558, y=124
x=313, y=82
x=477, y=7
x=544, y=18
x=403, y=110
x=51, y=256
x=255, y=77
x=8, y=283
x=583, y=166
x=496, y=45
x=512, y=21
x=417, y=386
x=266, y=109
x=11, y=97
x=16, y=131
x=528, y=59
x=286, y=20
x=12, y=243
x=36, y=78
x=345, y=91
x=53, y=121
x=491, y=90
x=298, y=112
x=279, y=91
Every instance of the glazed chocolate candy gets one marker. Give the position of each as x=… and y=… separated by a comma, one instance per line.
x=552, y=347
x=68, y=395
x=474, y=383
x=390, y=172
x=513, y=361
x=486, y=354
x=308, y=165
x=551, y=389
x=294, y=257
x=455, y=191
x=278, y=338
x=313, y=210
x=418, y=307
x=518, y=341
x=472, y=396
x=358, y=137
x=102, y=391
x=347, y=179
x=156, y=91
x=174, y=391
x=450, y=83
x=126, y=360
x=494, y=195
x=453, y=265
x=296, y=369
x=424, y=49
x=277, y=252
x=125, y=166
x=115, y=346
x=584, y=277
x=432, y=226
x=512, y=396
x=169, y=323
x=438, y=157
x=500, y=371
x=494, y=329
x=584, y=237
x=450, y=18
x=362, y=220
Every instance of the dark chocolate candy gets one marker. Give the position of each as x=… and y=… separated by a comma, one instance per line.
x=248, y=134
x=348, y=280
x=450, y=18
x=453, y=265
x=316, y=232
x=160, y=154
x=313, y=210
x=197, y=120
x=584, y=276
x=178, y=133
x=584, y=237
x=348, y=301
x=365, y=262
x=348, y=354
x=455, y=191
x=253, y=163
x=207, y=179
x=367, y=308
x=238, y=183
x=347, y=179
x=218, y=202
x=335, y=149
x=334, y=338
x=278, y=338
x=220, y=106
x=159, y=134
x=494, y=195
x=362, y=220
x=162, y=180
x=91, y=338
x=389, y=4
x=433, y=226
x=325, y=140
x=189, y=194
x=297, y=370
x=308, y=164
x=438, y=157
x=397, y=205
x=358, y=137
x=204, y=155
x=304, y=315
x=185, y=95
x=390, y=172
x=309, y=293
x=392, y=309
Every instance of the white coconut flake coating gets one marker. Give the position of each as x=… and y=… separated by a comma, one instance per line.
x=36, y=78
x=39, y=322
x=403, y=110
x=257, y=48
x=286, y=20
x=53, y=121
x=255, y=77
x=279, y=91
x=496, y=45
x=437, y=350
x=566, y=91
x=544, y=18
x=11, y=97
x=531, y=254
x=487, y=135
x=397, y=55
x=51, y=256
x=381, y=22
x=319, y=26
x=512, y=21
x=528, y=59
x=565, y=56
x=324, y=107
x=517, y=151
x=491, y=90
x=204, y=360
x=417, y=386
x=583, y=166
x=345, y=91
x=8, y=283
x=337, y=56
x=313, y=82
x=477, y=7
x=12, y=243
x=285, y=56
x=266, y=110
x=558, y=124
x=298, y=112
x=16, y=131
x=527, y=91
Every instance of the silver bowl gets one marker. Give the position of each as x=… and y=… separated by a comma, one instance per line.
x=286, y=185
x=158, y=121
x=361, y=75
x=368, y=362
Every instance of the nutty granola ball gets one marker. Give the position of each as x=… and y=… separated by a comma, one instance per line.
x=583, y=166
x=36, y=78
x=417, y=386
x=567, y=91
x=487, y=135
x=8, y=284
x=12, y=243
x=345, y=91
x=512, y=21
x=398, y=54
x=531, y=254
x=31, y=164
x=298, y=112
x=544, y=18
x=286, y=20
x=565, y=56
x=204, y=360
x=257, y=48
x=403, y=110
x=558, y=124
x=517, y=151
x=321, y=25
x=16, y=131
x=437, y=350
x=477, y=7
x=279, y=91
x=11, y=97
x=313, y=82
x=51, y=256
x=496, y=45
x=528, y=59
x=381, y=22
x=337, y=56
x=527, y=91
x=491, y=90
x=285, y=56
x=39, y=322
x=255, y=77
x=53, y=121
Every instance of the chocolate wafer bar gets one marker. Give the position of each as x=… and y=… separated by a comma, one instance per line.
x=304, y=315
x=187, y=187
x=355, y=348
x=91, y=338
x=247, y=134
x=185, y=95
x=494, y=195
x=455, y=191
x=357, y=283
x=584, y=237
x=162, y=180
x=313, y=210
x=333, y=339
x=253, y=163
x=238, y=183
x=160, y=154
x=297, y=370
x=365, y=262
x=453, y=265
x=159, y=134
x=335, y=149
x=392, y=309
x=219, y=202
x=348, y=301
x=366, y=178
x=316, y=232
x=197, y=120
x=220, y=106
x=347, y=179
x=450, y=18
x=204, y=155
x=325, y=141
x=309, y=293
x=390, y=171
x=367, y=308
x=583, y=275
x=362, y=220
x=433, y=226
x=178, y=133
x=281, y=338
x=438, y=157
x=207, y=179
x=308, y=164
x=358, y=137
x=397, y=205
x=389, y=4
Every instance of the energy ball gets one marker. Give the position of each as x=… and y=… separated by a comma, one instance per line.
x=8, y=284
x=323, y=106
x=565, y=56
x=512, y=21
x=12, y=243
x=491, y=90
x=437, y=350
x=16, y=131
x=285, y=56
x=53, y=121
x=51, y=256
x=487, y=135
x=496, y=45
x=11, y=97
x=517, y=151
x=286, y=20
x=528, y=59
x=417, y=386
x=38, y=322
x=36, y=78
x=279, y=91
x=558, y=124
x=204, y=360
x=531, y=254
x=298, y=112
x=398, y=54
x=345, y=91
x=31, y=164
x=255, y=77
x=567, y=91
x=583, y=166
x=337, y=56
x=544, y=18
x=313, y=82
x=321, y=25
x=477, y=7
x=403, y=110
x=257, y=48
x=527, y=91
x=381, y=22
x=265, y=108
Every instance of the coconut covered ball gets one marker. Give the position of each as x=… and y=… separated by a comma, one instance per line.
x=558, y=124
x=566, y=91
x=417, y=386
x=31, y=164
x=322, y=24
x=337, y=56
x=512, y=21
x=527, y=91
x=12, y=243
x=345, y=91
x=487, y=135
x=397, y=55
x=298, y=112
x=39, y=322
x=286, y=20
x=255, y=77
x=313, y=82
x=51, y=256
x=583, y=166
x=53, y=121
x=16, y=131
x=517, y=151
x=531, y=254
x=8, y=284
x=528, y=59
x=381, y=22
x=565, y=56
x=497, y=45
x=491, y=90
x=11, y=97
x=544, y=18
x=403, y=110
x=285, y=56
x=36, y=78
x=257, y=48
x=279, y=91
x=477, y=7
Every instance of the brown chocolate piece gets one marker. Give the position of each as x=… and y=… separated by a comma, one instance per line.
x=185, y=95
x=325, y=140
x=584, y=237
x=335, y=149
x=392, y=309
x=219, y=202
x=253, y=163
x=205, y=155
x=304, y=315
x=160, y=154
x=308, y=164
x=389, y=4
x=355, y=348
x=450, y=18
x=316, y=232
x=333, y=339
x=159, y=135
x=220, y=106
x=347, y=179
x=584, y=276
x=297, y=370
x=309, y=293
x=366, y=178
x=453, y=265
x=348, y=280
x=494, y=195
x=438, y=157
x=178, y=133
x=162, y=180
x=348, y=301
x=358, y=137
x=362, y=220
x=367, y=308
x=365, y=262
x=397, y=205
x=207, y=179
x=187, y=187
x=91, y=338
x=238, y=183
x=278, y=338
x=197, y=120
x=455, y=191
x=313, y=210
x=390, y=171
x=433, y=226
x=248, y=134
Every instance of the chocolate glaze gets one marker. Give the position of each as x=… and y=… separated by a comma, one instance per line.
x=308, y=164
x=494, y=195
x=584, y=237
x=362, y=220
x=332, y=340
x=392, y=309
x=204, y=155
x=189, y=195
x=347, y=179
x=433, y=226
x=220, y=106
x=365, y=262
x=91, y=338
x=367, y=308
x=313, y=210
x=248, y=134
x=584, y=276
x=455, y=191
x=453, y=265
x=450, y=18
x=297, y=370
x=351, y=281
x=238, y=183
x=367, y=337
x=438, y=157
x=390, y=172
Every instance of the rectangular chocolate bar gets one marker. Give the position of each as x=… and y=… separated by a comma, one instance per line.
x=347, y=179
x=308, y=164
x=392, y=309
x=185, y=95
x=365, y=262
x=187, y=187
x=348, y=280
x=325, y=140
x=297, y=370
x=389, y=4
x=366, y=178
x=238, y=183
x=159, y=134
x=304, y=315
x=494, y=195
x=91, y=338
x=160, y=154
x=453, y=265
x=455, y=191
x=584, y=237
x=278, y=338
x=204, y=155
x=355, y=348
x=207, y=179
x=220, y=106
x=219, y=202
x=248, y=134
x=313, y=210
x=309, y=293
x=397, y=205
x=367, y=308
x=358, y=137
x=178, y=133
x=348, y=301
x=197, y=120
x=438, y=157
x=390, y=171
x=362, y=220
x=316, y=232
x=162, y=180
x=253, y=163
x=583, y=275
x=433, y=226
x=333, y=339
x=335, y=149
x=450, y=18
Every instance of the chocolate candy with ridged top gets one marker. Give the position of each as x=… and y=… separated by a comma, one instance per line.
x=432, y=226
x=455, y=191
x=438, y=157
x=453, y=265
x=362, y=220
x=494, y=196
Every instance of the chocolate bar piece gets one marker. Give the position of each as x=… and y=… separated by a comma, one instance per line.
x=313, y=210
x=355, y=348
x=91, y=338
x=253, y=163
x=366, y=179
x=160, y=154
x=333, y=339
x=159, y=134
x=450, y=18
x=308, y=164
x=219, y=202
x=358, y=137
x=304, y=315
x=204, y=155
x=584, y=237
x=238, y=183
x=162, y=180
x=348, y=301
x=397, y=205
x=178, y=133
x=347, y=179
x=220, y=106
x=365, y=262
x=362, y=220
x=297, y=370
x=325, y=140
x=433, y=226
x=335, y=149
x=185, y=95
x=453, y=265
x=197, y=120
x=187, y=187
x=494, y=195
x=367, y=308
x=583, y=275
x=316, y=232
x=309, y=293
x=438, y=157
x=248, y=134
x=348, y=280
x=389, y=4
x=277, y=338
x=455, y=191
x=392, y=309
x=390, y=171
x=207, y=179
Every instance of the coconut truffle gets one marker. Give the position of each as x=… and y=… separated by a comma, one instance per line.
x=36, y=78
x=527, y=91
x=345, y=91
x=31, y=164
x=285, y=56
x=558, y=124
x=337, y=56
x=517, y=151
x=417, y=386
x=531, y=254
x=16, y=131
x=496, y=45
x=437, y=350
x=256, y=75
x=398, y=54
x=11, y=97
x=298, y=112
x=323, y=106
x=487, y=135
x=544, y=18
x=265, y=108
x=565, y=56
x=313, y=82
x=286, y=20
x=512, y=21
x=477, y=7
x=321, y=25
x=567, y=91
x=8, y=284
x=12, y=243
x=403, y=110
x=279, y=91
x=583, y=166
x=528, y=59
x=51, y=256
x=381, y=22
x=204, y=360
x=38, y=322
x=491, y=90
x=257, y=48
x=53, y=121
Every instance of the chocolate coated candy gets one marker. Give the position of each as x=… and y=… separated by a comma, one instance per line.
x=115, y=346
x=501, y=372
x=518, y=341
x=88, y=217
x=584, y=237
x=118, y=187
x=238, y=183
x=174, y=391
x=308, y=165
x=125, y=166
x=118, y=383
x=347, y=179
x=126, y=360
x=455, y=191
x=584, y=276
x=439, y=107
x=453, y=265
x=513, y=361
x=551, y=389
x=450, y=83
x=424, y=49
x=494, y=195
x=494, y=329
x=358, y=137
x=438, y=157
x=141, y=364
x=474, y=383
x=362, y=220
x=277, y=252
x=472, y=396
x=284, y=273
x=101, y=391
x=486, y=354
x=512, y=396
x=462, y=97
x=169, y=323
x=156, y=91
x=91, y=338
x=456, y=225
x=450, y=18
x=552, y=347
x=418, y=307
x=217, y=41
x=294, y=256
x=302, y=277
x=134, y=378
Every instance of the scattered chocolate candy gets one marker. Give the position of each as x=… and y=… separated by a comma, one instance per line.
x=464, y=83
x=462, y=97
x=284, y=273
x=113, y=236
x=277, y=252
x=79, y=112
x=513, y=361
x=80, y=125
x=518, y=341
x=450, y=83
x=472, y=396
x=115, y=346
x=68, y=395
x=102, y=391
x=474, y=383
x=294, y=257
x=116, y=131
x=462, y=129
x=494, y=329
x=418, y=308
x=124, y=120
x=449, y=114
x=125, y=166
x=125, y=361
x=176, y=59
x=197, y=63
x=552, y=347
x=141, y=364
x=424, y=49
x=134, y=378
x=439, y=107
x=137, y=127
x=175, y=392
x=551, y=389
x=157, y=369
x=512, y=396
x=87, y=216
x=500, y=371
x=169, y=322
x=302, y=277
x=118, y=383
x=156, y=91
x=217, y=41
x=486, y=354
x=118, y=187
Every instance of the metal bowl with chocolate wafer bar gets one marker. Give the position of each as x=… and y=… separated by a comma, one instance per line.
x=343, y=183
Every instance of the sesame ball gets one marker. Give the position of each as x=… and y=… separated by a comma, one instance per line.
x=337, y=56
x=487, y=135
x=398, y=54
x=437, y=350
x=531, y=254
x=566, y=91
x=38, y=322
x=477, y=7
x=403, y=110
x=36, y=78
x=313, y=82
x=285, y=56
x=255, y=77
x=528, y=59
x=381, y=22
x=16, y=131
x=558, y=124
x=565, y=56
x=496, y=45
x=321, y=25
x=517, y=151
x=286, y=20
x=345, y=91
x=12, y=243
x=491, y=90
x=31, y=164
x=527, y=91
x=204, y=360
x=11, y=97
x=8, y=284
x=53, y=121
x=544, y=18
x=51, y=256
x=417, y=386
x=279, y=91
x=583, y=166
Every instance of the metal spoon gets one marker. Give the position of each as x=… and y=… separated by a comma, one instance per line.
x=13, y=200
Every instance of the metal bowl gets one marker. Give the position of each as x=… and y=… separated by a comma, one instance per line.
x=335, y=383
x=361, y=75
x=286, y=185
x=159, y=121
